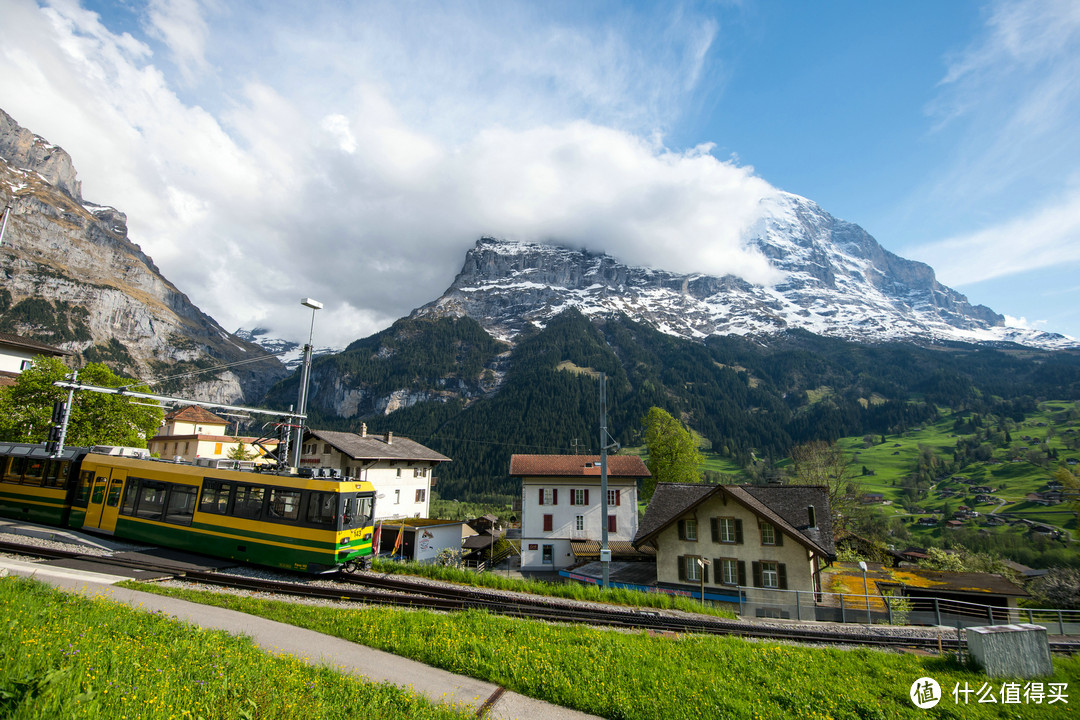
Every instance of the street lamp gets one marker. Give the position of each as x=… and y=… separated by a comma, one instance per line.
x=305, y=375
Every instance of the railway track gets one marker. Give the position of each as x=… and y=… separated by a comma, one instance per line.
x=376, y=589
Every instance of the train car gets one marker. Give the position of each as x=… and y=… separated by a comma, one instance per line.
x=287, y=521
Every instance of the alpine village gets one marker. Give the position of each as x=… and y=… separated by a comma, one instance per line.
x=565, y=487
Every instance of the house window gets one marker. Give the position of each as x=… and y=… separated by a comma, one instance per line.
x=688, y=530
x=727, y=530
x=612, y=524
x=770, y=575
x=691, y=569
x=416, y=472
x=729, y=571
x=549, y=554
x=399, y=472
x=397, y=497
x=421, y=495
x=26, y=364
x=548, y=523
x=549, y=496
x=578, y=496
x=769, y=535
x=326, y=449
x=579, y=523
x=613, y=497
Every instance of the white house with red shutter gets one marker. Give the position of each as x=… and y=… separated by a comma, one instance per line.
x=562, y=509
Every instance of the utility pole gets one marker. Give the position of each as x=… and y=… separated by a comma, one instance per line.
x=605, y=553
x=305, y=375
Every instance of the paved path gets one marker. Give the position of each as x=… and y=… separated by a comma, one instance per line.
x=485, y=699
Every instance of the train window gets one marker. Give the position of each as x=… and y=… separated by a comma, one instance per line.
x=34, y=471
x=215, y=497
x=131, y=495
x=284, y=504
x=116, y=486
x=151, y=503
x=322, y=508
x=5, y=466
x=249, y=501
x=56, y=474
x=18, y=467
x=82, y=495
x=358, y=511
x=181, y=506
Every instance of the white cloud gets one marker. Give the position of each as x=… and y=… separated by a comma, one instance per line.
x=356, y=189
x=181, y=26
x=1047, y=237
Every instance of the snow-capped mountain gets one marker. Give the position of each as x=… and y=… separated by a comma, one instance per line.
x=290, y=353
x=837, y=281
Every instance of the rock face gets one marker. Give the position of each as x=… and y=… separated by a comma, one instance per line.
x=838, y=281
x=72, y=278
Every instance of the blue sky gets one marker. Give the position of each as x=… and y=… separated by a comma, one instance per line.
x=353, y=151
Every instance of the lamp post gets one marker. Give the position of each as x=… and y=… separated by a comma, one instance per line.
x=305, y=375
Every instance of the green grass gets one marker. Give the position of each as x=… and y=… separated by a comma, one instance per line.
x=67, y=656
x=634, y=675
x=569, y=590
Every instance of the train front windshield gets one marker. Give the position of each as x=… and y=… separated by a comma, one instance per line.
x=357, y=510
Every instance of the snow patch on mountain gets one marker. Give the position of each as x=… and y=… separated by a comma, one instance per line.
x=834, y=279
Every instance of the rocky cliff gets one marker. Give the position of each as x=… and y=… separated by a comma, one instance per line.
x=72, y=278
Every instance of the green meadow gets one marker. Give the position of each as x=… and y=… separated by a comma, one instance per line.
x=637, y=676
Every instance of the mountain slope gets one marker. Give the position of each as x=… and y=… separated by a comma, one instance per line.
x=72, y=278
x=837, y=281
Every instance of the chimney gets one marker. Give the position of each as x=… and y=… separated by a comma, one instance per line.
x=389, y=438
x=811, y=515
x=363, y=429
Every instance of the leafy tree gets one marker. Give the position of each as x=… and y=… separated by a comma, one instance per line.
x=673, y=454
x=963, y=560
x=96, y=418
x=1060, y=588
x=240, y=452
x=822, y=463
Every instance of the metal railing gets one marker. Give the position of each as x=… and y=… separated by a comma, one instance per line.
x=803, y=605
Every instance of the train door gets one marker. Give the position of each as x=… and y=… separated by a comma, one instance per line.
x=105, y=494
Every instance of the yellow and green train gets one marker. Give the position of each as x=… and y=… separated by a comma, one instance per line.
x=308, y=524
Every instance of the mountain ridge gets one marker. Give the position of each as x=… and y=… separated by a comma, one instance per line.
x=837, y=281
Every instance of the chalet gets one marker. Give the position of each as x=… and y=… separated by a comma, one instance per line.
x=561, y=507
x=735, y=538
x=929, y=520
x=402, y=470
x=193, y=434
x=872, y=498
x=981, y=489
x=17, y=353
x=954, y=524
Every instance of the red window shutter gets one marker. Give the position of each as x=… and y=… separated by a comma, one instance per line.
x=612, y=525
x=547, y=523
x=541, y=496
x=586, y=496
x=573, y=499
x=555, y=496
x=618, y=498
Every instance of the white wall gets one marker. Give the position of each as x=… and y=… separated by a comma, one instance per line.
x=564, y=518
x=11, y=359
x=442, y=536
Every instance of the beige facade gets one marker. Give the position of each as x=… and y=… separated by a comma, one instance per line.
x=742, y=549
x=739, y=541
x=193, y=433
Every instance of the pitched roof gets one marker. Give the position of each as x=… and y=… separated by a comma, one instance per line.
x=28, y=344
x=376, y=447
x=196, y=414
x=628, y=466
x=785, y=506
